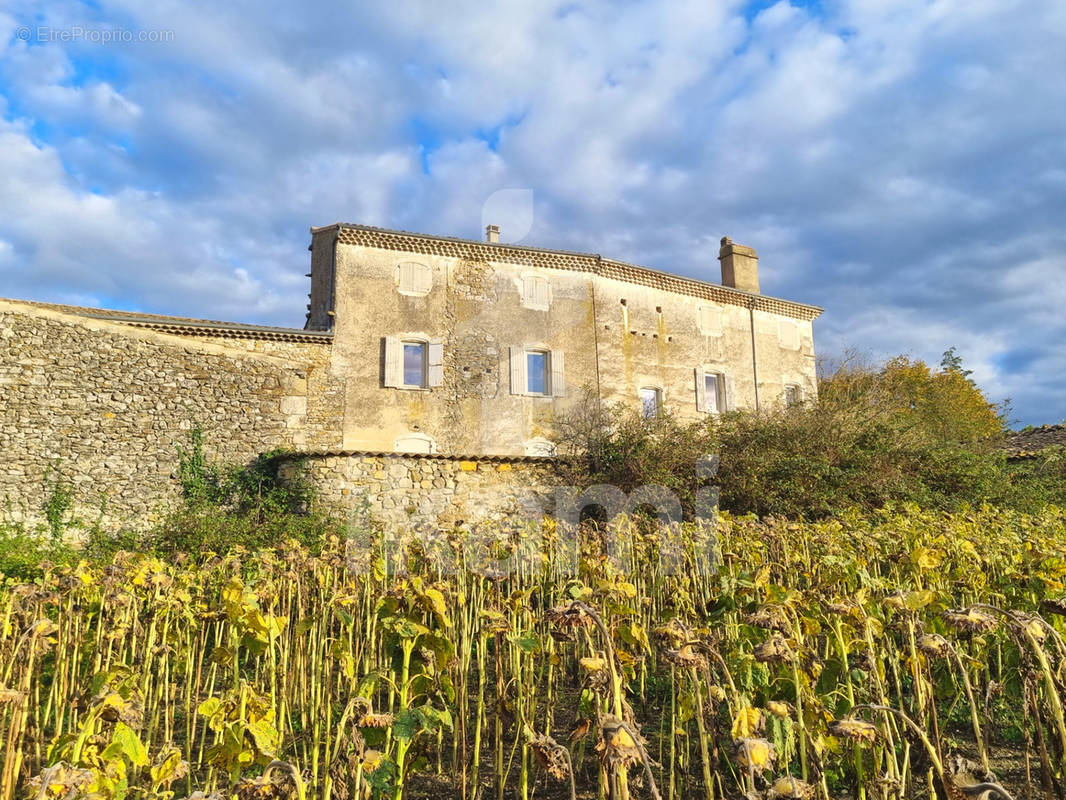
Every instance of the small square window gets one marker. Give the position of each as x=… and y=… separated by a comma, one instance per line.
x=713, y=391
x=651, y=401
x=414, y=364
x=793, y=395
x=537, y=372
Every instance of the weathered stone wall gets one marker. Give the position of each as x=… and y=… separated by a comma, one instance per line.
x=412, y=490
x=105, y=405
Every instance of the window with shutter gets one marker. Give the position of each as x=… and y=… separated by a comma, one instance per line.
x=710, y=391
x=413, y=278
x=536, y=292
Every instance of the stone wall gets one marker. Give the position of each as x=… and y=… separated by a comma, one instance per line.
x=104, y=406
x=413, y=490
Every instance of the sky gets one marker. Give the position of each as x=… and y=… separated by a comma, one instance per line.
x=901, y=163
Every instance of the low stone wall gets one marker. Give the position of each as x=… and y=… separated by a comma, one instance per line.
x=413, y=490
x=104, y=406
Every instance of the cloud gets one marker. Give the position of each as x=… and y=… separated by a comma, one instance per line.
x=899, y=163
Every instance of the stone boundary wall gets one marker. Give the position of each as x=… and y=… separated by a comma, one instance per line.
x=104, y=406
x=414, y=490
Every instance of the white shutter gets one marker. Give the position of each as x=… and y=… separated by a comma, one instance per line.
x=435, y=369
x=730, y=394
x=425, y=279
x=518, y=370
x=701, y=390
x=528, y=290
x=542, y=293
x=558, y=373
x=393, y=362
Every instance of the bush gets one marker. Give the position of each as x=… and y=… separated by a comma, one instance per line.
x=901, y=433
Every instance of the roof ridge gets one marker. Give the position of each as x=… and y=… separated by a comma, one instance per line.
x=586, y=262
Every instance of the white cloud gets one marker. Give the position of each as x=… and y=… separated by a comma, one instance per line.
x=897, y=162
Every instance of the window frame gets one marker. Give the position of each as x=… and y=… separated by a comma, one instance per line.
x=423, y=347
x=797, y=399
x=657, y=394
x=532, y=351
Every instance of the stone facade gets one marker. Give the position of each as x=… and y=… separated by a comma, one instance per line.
x=424, y=490
x=103, y=399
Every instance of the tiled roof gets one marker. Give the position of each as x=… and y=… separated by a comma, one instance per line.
x=405, y=241
x=186, y=326
x=1029, y=442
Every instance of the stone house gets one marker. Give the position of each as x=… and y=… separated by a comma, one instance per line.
x=427, y=380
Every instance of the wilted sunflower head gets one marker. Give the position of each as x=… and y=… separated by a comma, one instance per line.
x=757, y=753
x=372, y=759
x=616, y=746
x=371, y=720
x=685, y=657
x=788, y=786
x=774, y=650
x=551, y=756
x=771, y=618
x=934, y=645
x=570, y=617
x=61, y=780
x=673, y=632
x=972, y=620
x=858, y=730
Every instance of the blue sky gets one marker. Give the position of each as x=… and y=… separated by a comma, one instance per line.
x=901, y=163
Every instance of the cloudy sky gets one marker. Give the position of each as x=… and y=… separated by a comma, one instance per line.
x=901, y=163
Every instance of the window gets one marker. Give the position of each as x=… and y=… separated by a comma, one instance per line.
x=413, y=278
x=714, y=391
x=413, y=362
x=793, y=395
x=536, y=292
x=651, y=401
x=537, y=371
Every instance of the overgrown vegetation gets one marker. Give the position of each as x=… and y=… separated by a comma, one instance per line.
x=856, y=657
x=899, y=433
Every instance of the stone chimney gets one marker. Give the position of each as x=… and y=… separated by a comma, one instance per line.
x=740, y=266
x=492, y=233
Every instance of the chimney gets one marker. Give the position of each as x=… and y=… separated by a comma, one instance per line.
x=740, y=266
x=492, y=233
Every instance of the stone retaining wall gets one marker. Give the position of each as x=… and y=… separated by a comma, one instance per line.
x=411, y=490
x=104, y=406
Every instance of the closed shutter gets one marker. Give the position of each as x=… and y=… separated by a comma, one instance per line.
x=393, y=362
x=435, y=368
x=701, y=390
x=518, y=370
x=542, y=293
x=730, y=394
x=425, y=279
x=558, y=374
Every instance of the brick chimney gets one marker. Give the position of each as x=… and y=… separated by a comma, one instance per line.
x=740, y=266
x=492, y=233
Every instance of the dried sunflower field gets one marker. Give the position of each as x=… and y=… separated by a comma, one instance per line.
x=907, y=654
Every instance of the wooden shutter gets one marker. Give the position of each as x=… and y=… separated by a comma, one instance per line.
x=542, y=293
x=558, y=373
x=435, y=368
x=424, y=279
x=701, y=390
x=730, y=394
x=518, y=370
x=393, y=361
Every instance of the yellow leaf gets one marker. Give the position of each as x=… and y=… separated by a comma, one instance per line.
x=746, y=722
